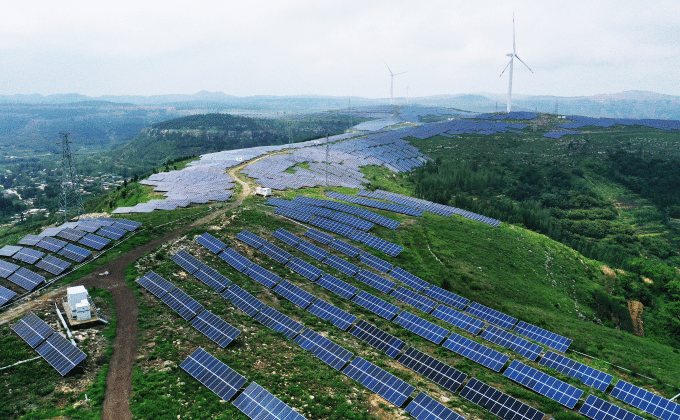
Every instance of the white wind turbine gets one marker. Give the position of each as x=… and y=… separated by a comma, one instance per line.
x=512, y=56
x=392, y=82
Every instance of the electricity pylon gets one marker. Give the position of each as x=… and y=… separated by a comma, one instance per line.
x=70, y=200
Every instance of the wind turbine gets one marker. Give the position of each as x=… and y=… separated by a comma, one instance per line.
x=512, y=56
x=392, y=82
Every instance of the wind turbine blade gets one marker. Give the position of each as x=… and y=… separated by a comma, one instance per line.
x=506, y=67
x=513, y=34
x=397, y=74
x=525, y=64
x=388, y=68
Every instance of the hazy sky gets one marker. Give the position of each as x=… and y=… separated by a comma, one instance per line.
x=337, y=48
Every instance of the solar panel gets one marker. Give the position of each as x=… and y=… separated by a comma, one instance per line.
x=251, y=239
x=312, y=250
x=128, y=225
x=234, y=259
x=476, y=352
x=375, y=262
x=544, y=384
x=378, y=219
x=32, y=329
x=89, y=226
x=414, y=299
x=433, y=369
x=491, y=315
x=277, y=321
x=379, y=381
x=25, y=278
x=259, y=404
x=94, y=241
x=337, y=286
x=498, y=403
x=53, y=265
x=6, y=295
x=51, y=244
x=286, y=237
x=304, y=268
x=646, y=401
x=376, y=305
x=333, y=226
x=75, y=253
x=598, y=409
x=213, y=244
x=336, y=316
x=155, y=284
x=319, y=236
x=423, y=328
x=277, y=202
x=375, y=281
x=7, y=268
x=458, y=319
x=446, y=297
x=215, y=375
x=314, y=210
x=381, y=245
x=351, y=221
x=71, y=234
x=30, y=240
x=9, y=250
x=212, y=278
x=424, y=407
x=111, y=232
x=377, y=338
x=294, y=294
x=28, y=255
x=243, y=300
x=276, y=253
x=341, y=265
x=323, y=348
x=550, y=339
x=508, y=340
x=409, y=279
x=186, y=306
x=344, y=247
x=262, y=275
x=187, y=261
x=60, y=353
x=589, y=376
x=294, y=214
x=215, y=328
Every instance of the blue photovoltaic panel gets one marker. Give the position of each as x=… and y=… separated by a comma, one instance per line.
x=75, y=253
x=51, y=244
x=187, y=261
x=378, y=219
x=336, y=316
x=646, y=401
x=319, y=236
x=377, y=338
x=186, y=306
x=25, y=278
x=94, y=241
x=215, y=328
x=9, y=250
x=409, y=279
x=60, y=353
x=344, y=247
x=316, y=211
x=589, y=376
x=508, y=340
x=498, y=403
x=111, y=232
x=215, y=375
x=259, y=404
x=327, y=204
x=544, y=384
x=286, y=237
x=212, y=278
x=53, y=265
x=6, y=295
x=294, y=294
x=423, y=328
x=277, y=202
x=548, y=338
x=424, y=407
x=30, y=240
x=446, y=297
x=375, y=262
x=333, y=226
x=379, y=381
x=491, y=315
x=323, y=348
x=243, y=300
x=598, y=409
x=234, y=259
x=376, y=305
x=433, y=369
x=304, y=268
x=476, y=352
x=351, y=221
x=458, y=319
x=28, y=255
x=32, y=329
x=155, y=284
x=277, y=321
x=337, y=286
x=294, y=214
x=7, y=268
x=382, y=245
x=341, y=265
x=312, y=250
x=375, y=281
x=71, y=234
x=262, y=276
x=276, y=253
x=128, y=225
x=251, y=239
x=213, y=244
x=414, y=299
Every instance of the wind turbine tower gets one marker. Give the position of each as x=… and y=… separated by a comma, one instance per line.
x=392, y=83
x=512, y=56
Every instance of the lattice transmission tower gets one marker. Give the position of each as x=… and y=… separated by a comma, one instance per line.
x=70, y=199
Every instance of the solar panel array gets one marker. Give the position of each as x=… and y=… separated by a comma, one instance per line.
x=213, y=244
x=414, y=299
x=544, y=384
x=286, y=237
x=155, y=284
x=6, y=295
x=53, y=265
x=319, y=236
x=376, y=204
x=333, y=226
x=375, y=281
x=60, y=353
x=345, y=248
x=379, y=381
x=186, y=306
x=294, y=214
x=351, y=221
x=111, y=232
x=243, y=300
x=51, y=244
x=337, y=286
x=447, y=297
x=75, y=253
x=294, y=294
x=423, y=328
x=330, y=353
x=476, y=352
x=433, y=369
x=30, y=240
x=262, y=276
x=458, y=319
x=598, y=409
x=215, y=375
x=646, y=401
x=589, y=376
x=508, y=340
x=215, y=328
x=377, y=338
x=335, y=315
x=187, y=261
x=304, y=268
x=234, y=259
x=7, y=268
x=491, y=315
x=550, y=339
x=380, y=244
x=376, y=305
x=28, y=255
x=251, y=239
x=276, y=253
x=9, y=250
x=375, y=262
x=94, y=241
x=424, y=407
x=32, y=329
x=379, y=219
x=498, y=403
x=212, y=278
x=341, y=265
x=409, y=279
x=71, y=234
x=312, y=250
x=25, y=278
x=277, y=321
x=259, y=404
